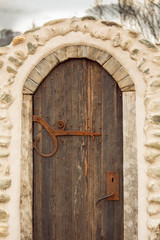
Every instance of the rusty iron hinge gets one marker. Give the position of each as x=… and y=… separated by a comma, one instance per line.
x=54, y=133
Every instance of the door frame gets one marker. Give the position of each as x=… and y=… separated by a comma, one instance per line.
x=129, y=137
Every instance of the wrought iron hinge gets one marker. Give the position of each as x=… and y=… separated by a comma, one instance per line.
x=54, y=133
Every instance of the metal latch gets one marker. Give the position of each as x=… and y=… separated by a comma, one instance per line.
x=112, y=187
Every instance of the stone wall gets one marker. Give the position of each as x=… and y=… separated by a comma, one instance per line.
x=136, y=56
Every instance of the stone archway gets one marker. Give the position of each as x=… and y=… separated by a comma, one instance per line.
x=21, y=60
x=126, y=85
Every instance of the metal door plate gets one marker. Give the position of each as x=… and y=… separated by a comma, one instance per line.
x=113, y=185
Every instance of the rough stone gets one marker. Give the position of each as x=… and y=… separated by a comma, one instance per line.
x=20, y=55
x=153, y=145
x=111, y=24
x=155, y=106
x=5, y=183
x=125, y=45
x=151, y=157
x=116, y=40
x=3, y=230
x=146, y=71
x=153, y=209
x=1, y=63
x=133, y=34
x=4, y=152
x=156, y=59
x=153, y=224
x=154, y=198
x=31, y=48
x=134, y=54
x=4, y=197
x=148, y=44
x=142, y=62
x=15, y=61
x=6, y=97
x=156, y=119
x=112, y=65
x=17, y=40
x=11, y=70
x=155, y=83
x=11, y=79
x=154, y=172
x=4, y=141
x=3, y=215
x=88, y=18
x=36, y=36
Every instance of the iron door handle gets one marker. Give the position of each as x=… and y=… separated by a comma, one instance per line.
x=103, y=198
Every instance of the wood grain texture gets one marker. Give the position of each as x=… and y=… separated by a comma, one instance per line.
x=68, y=184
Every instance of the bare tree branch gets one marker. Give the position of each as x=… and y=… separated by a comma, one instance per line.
x=140, y=16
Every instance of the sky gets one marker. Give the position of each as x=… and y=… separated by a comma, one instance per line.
x=20, y=15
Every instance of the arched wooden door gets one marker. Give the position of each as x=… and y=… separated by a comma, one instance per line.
x=68, y=184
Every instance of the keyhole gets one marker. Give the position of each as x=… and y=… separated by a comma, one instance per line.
x=112, y=179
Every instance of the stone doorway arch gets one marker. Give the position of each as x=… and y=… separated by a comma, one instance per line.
x=129, y=58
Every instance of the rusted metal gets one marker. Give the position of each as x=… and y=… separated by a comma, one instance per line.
x=113, y=185
x=103, y=198
x=54, y=133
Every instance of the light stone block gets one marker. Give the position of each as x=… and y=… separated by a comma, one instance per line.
x=82, y=51
x=43, y=67
x=52, y=60
x=61, y=54
x=31, y=85
x=112, y=66
x=120, y=74
x=125, y=82
x=130, y=166
x=103, y=57
x=5, y=183
x=72, y=51
x=27, y=91
x=36, y=76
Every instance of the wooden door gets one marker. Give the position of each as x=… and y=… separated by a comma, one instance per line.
x=68, y=184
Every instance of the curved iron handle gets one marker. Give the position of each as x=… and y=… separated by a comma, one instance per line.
x=50, y=132
x=105, y=197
